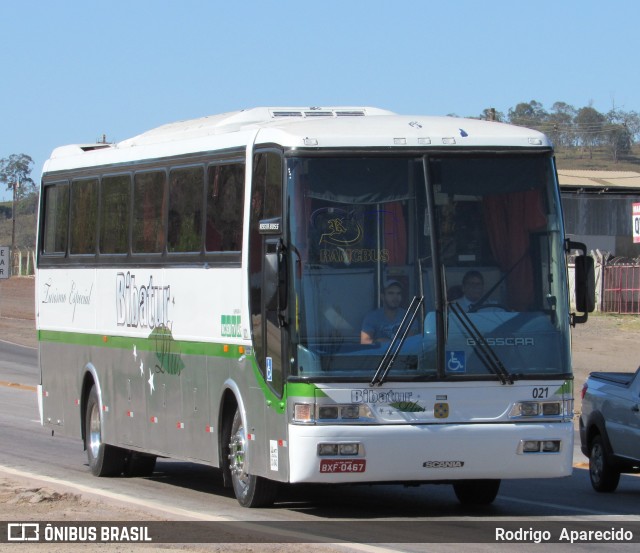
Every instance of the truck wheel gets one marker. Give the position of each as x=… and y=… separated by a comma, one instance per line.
x=250, y=490
x=476, y=492
x=104, y=459
x=604, y=477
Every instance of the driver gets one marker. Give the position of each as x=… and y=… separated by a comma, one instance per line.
x=380, y=325
x=472, y=289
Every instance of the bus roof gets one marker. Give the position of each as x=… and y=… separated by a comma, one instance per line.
x=297, y=127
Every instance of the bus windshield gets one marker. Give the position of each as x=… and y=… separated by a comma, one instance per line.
x=427, y=267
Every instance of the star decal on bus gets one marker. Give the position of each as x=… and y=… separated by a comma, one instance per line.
x=150, y=381
x=141, y=368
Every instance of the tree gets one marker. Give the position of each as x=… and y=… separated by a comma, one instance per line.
x=491, y=114
x=590, y=128
x=560, y=127
x=622, y=128
x=15, y=170
x=531, y=114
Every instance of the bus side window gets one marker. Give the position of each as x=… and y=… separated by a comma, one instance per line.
x=56, y=218
x=225, y=199
x=84, y=216
x=186, y=186
x=114, y=215
x=148, y=203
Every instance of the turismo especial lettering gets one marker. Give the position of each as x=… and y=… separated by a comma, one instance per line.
x=145, y=306
x=75, y=297
x=372, y=396
x=504, y=341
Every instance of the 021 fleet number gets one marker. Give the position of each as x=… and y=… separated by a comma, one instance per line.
x=540, y=393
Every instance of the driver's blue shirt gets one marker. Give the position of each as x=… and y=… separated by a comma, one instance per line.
x=379, y=327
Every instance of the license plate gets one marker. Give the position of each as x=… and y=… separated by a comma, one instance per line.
x=342, y=465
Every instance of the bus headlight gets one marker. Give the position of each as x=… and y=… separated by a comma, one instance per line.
x=528, y=409
x=311, y=413
x=539, y=446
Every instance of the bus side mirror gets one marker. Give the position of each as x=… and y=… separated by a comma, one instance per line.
x=585, y=285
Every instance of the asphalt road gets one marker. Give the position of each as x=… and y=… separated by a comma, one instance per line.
x=185, y=491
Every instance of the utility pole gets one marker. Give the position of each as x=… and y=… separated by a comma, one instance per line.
x=16, y=185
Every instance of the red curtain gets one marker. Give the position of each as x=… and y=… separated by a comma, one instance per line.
x=395, y=233
x=510, y=219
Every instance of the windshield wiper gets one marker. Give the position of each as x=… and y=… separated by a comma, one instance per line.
x=397, y=341
x=485, y=353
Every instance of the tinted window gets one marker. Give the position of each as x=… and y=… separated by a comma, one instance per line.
x=114, y=216
x=148, y=220
x=84, y=216
x=185, y=209
x=225, y=198
x=56, y=218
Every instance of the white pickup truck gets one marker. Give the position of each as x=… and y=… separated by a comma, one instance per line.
x=610, y=427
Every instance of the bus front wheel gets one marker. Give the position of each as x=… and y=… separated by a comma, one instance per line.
x=476, y=492
x=250, y=490
x=104, y=459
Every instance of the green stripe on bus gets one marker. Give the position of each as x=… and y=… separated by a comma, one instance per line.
x=150, y=343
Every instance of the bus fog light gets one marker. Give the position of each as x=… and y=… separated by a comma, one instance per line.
x=551, y=408
x=327, y=450
x=349, y=449
x=551, y=446
x=530, y=446
x=350, y=412
x=302, y=412
x=327, y=412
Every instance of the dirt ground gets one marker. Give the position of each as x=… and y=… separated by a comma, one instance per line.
x=605, y=343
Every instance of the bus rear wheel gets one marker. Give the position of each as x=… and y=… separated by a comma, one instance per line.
x=476, y=492
x=250, y=490
x=104, y=459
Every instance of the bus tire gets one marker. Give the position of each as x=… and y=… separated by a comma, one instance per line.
x=476, y=492
x=604, y=477
x=139, y=464
x=104, y=459
x=250, y=490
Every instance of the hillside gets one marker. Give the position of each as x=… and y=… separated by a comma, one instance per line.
x=578, y=159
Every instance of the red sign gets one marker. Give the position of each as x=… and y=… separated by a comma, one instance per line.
x=635, y=222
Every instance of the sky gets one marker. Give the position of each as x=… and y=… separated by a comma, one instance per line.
x=73, y=71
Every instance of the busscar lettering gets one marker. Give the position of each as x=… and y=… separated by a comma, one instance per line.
x=504, y=341
x=145, y=306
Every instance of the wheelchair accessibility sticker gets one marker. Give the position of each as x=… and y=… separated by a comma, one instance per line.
x=269, y=369
x=456, y=362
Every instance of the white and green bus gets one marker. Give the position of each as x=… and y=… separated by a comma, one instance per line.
x=201, y=291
